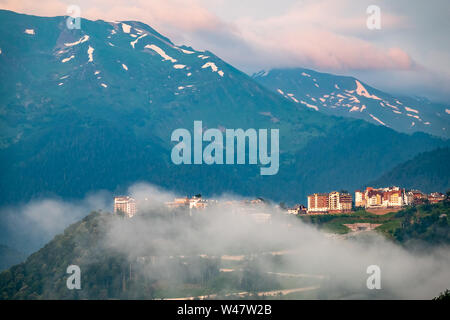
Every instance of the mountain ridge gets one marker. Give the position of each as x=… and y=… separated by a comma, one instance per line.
x=103, y=118
x=350, y=97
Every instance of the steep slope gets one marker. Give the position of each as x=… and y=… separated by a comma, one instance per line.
x=43, y=275
x=9, y=257
x=350, y=97
x=428, y=171
x=94, y=108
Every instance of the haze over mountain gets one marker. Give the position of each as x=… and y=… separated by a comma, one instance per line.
x=350, y=97
x=89, y=109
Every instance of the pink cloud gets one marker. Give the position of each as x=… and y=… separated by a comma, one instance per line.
x=41, y=8
x=183, y=15
x=324, y=34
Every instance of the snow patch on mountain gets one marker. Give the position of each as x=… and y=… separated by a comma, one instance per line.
x=291, y=95
x=67, y=59
x=126, y=28
x=354, y=99
x=186, y=51
x=390, y=105
x=161, y=52
x=378, y=120
x=133, y=43
x=83, y=39
x=360, y=90
x=310, y=105
x=90, y=52
x=213, y=67
x=411, y=110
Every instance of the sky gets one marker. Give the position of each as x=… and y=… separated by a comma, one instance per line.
x=408, y=55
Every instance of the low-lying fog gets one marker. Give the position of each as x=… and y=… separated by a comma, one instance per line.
x=235, y=229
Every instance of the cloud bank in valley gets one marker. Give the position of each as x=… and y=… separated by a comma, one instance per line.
x=27, y=227
x=232, y=229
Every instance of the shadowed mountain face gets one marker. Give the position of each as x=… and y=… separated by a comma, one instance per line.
x=428, y=171
x=94, y=108
x=349, y=97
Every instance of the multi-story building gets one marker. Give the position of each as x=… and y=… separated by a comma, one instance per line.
x=178, y=203
x=333, y=202
x=197, y=202
x=318, y=203
x=374, y=198
x=418, y=197
x=339, y=202
x=360, y=199
x=393, y=198
x=371, y=198
x=436, y=197
x=125, y=205
x=297, y=209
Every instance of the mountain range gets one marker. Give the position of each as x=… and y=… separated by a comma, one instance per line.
x=94, y=108
x=349, y=97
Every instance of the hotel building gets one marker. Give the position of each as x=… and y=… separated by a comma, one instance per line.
x=126, y=205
